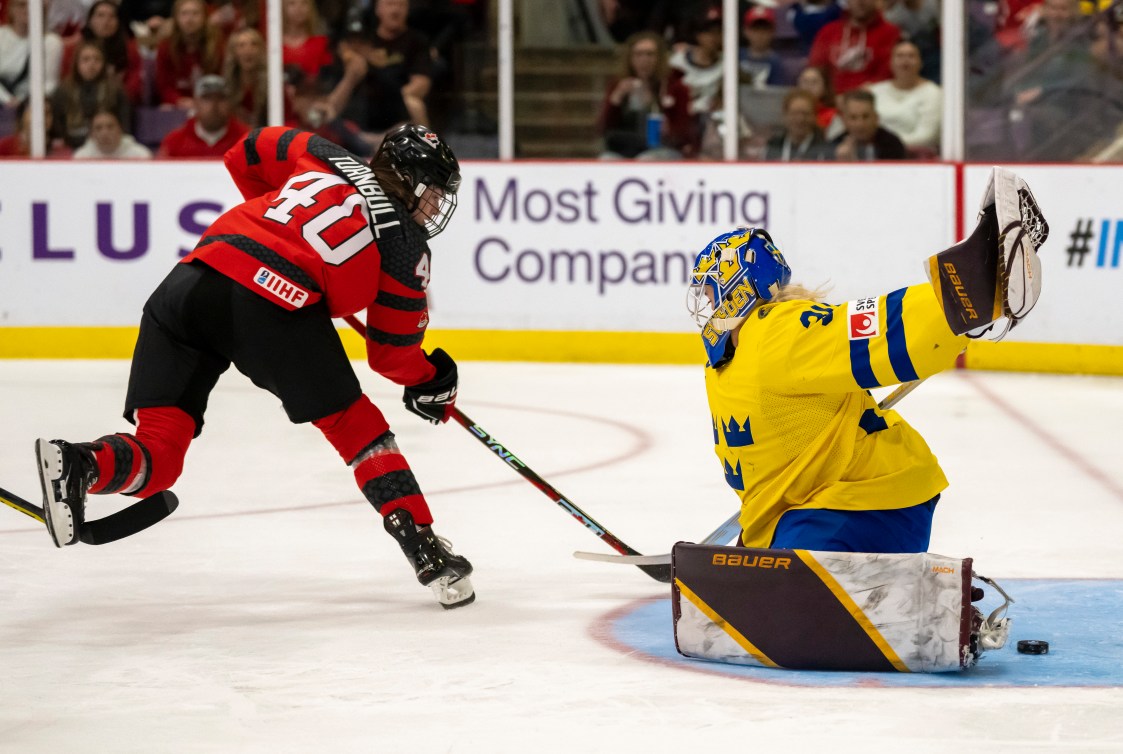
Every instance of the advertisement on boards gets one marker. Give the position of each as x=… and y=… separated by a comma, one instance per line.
x=533, y=246
x=1082, y=261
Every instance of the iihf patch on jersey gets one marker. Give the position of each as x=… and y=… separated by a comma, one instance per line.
x=286, y=290
x=863, y=317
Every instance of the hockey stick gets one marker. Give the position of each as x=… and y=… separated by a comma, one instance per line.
x=124, y=523
x=724, y=533
x=18, y=503
x=658, y=572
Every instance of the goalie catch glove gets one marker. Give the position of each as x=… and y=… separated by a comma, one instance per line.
x=434, y=400
x=995, y=273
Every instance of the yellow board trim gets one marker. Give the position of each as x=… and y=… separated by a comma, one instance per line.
x=1063, y=358
x=563, y=346
x=724, y=625
x=852, y=607
x=466, y=345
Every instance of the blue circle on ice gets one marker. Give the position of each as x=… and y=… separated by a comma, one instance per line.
x=1078, y=617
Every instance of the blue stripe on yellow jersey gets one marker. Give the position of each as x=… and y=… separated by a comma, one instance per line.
x=794, y=423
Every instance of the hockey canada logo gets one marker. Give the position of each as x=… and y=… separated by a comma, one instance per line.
x=863, y=316
x=287, y=291
x=432, y=139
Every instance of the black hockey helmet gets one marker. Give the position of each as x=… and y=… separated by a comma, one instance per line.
x=427, y=167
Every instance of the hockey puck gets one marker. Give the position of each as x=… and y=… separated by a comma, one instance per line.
x=1033, y=647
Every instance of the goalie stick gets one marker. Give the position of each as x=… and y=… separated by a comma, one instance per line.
x=124, y=523
x=731, y=527
x=659, y=572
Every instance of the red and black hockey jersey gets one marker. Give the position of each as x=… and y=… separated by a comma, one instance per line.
x=317, y=226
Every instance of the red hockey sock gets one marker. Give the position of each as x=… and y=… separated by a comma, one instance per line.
x=353, y=428
x=148, y=462
x=363, y=439
x=387, y=481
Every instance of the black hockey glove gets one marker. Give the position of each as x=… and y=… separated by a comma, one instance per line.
x=433, y=400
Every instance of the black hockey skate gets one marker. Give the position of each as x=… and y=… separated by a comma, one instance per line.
x=433, y=560
x=65, y=471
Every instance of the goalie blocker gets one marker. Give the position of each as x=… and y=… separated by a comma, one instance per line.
x=995, y=273
x=806, y=610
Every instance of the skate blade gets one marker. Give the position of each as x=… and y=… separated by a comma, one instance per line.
x=49, y=458
x=453, y=594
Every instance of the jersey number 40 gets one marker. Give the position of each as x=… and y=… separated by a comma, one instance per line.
x=326, y=231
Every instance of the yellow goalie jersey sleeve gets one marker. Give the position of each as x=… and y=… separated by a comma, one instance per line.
x=794, y=422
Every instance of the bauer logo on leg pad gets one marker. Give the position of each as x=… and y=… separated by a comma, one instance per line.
x=750, y=561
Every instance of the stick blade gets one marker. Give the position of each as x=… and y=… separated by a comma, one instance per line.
x=124, y=523
x=661, y=573
x=635, y=560
x=657, y=567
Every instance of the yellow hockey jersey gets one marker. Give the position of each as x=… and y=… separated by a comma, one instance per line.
x=794, y=422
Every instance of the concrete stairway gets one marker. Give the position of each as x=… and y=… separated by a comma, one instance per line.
x=558, y=95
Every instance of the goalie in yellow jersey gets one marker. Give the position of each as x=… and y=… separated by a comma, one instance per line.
x=816, y=464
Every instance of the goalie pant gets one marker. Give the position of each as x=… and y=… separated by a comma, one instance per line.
x=194, y=326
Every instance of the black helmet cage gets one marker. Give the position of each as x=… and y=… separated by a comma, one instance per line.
x=429, y=170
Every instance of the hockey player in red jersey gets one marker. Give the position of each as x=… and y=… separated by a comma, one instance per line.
x=321, y=234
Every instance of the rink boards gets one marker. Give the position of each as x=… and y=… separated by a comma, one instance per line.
x=567, y=261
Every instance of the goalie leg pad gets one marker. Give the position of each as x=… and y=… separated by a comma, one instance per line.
x=809, y=610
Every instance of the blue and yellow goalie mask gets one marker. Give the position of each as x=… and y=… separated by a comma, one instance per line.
x=730, y=275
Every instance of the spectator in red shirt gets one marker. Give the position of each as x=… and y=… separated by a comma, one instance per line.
x=304, y=45
x=194, y=49
x=212, y=131
x=103, y=26
x=856, y=48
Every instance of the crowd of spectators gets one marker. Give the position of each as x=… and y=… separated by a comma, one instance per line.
x=1044, y=77
x=789, y=80
x=185, y=78
x=1033, y=66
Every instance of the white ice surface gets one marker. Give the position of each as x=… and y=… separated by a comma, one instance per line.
x=270, y=613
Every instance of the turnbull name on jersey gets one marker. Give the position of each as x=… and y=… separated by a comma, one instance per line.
x=362, y=178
